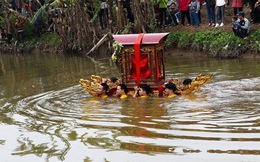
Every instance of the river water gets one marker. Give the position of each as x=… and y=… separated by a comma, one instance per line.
x=45, y=115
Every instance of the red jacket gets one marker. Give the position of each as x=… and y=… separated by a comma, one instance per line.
x=183, y=5
x=237, y=4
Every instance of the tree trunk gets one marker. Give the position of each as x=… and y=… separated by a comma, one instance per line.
x=120, y=15
x=140, y=12
x=111, y=17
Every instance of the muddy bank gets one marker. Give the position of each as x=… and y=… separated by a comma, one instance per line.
x=31, y=49
x=104, y=51
x=191, y=53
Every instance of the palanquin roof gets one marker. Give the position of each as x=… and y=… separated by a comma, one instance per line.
x=150, y=38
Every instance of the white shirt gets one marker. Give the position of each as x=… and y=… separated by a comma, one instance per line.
x=220, y=2
x=103, y=5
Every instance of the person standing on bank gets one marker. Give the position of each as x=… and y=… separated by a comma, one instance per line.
x=210, y=5
x=194, y=10
x=19, y=26
x=103, y=14
x=220, y=10
x=162, y=11
x=241, y=26
x=256, y=12
x=127, y=6
x=38, y=25
x=237, y=6
x=184, y=9
x=252, y=6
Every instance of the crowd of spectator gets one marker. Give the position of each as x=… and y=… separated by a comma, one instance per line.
x=175, y=12
x=24, y=10
x=167, y=12
x=190, y=10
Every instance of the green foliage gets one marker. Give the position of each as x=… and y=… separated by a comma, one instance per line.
x=2, y=20
x=185, y=40
x=255, y=42
x=203, y=39
x=28, y=29
x=39, y=12
x=226, y=45
x=173, y=38
x=216, y=43
x=48, y=38
x=2, y=142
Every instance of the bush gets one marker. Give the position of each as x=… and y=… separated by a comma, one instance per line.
x=47, y=38
x=185, y=40
x=173, y=39
x=203, y=40
x=226, y=45
x=215, y=43
x=254, y=40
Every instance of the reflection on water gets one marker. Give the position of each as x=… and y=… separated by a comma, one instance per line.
x=46, y=115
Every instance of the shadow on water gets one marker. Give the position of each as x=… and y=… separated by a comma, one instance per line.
x=45, y=114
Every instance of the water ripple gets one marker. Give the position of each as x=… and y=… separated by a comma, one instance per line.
x=222, y=119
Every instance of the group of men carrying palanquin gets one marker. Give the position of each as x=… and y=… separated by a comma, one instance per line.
x=142, y=91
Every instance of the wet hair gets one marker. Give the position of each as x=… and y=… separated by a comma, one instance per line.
x=105, y=87
x=187, y=81
x=113, y=79
x=123, y=87
x=171, y=86
x=146, y=88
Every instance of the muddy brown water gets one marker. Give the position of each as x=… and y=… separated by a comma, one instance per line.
x=45, y=115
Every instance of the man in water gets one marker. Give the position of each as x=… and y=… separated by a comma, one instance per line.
x=170, y=89
x=185, y=84
x=102, y=90
x=121, y=91
x=143, y=92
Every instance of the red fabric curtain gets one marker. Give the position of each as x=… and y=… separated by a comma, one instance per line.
x=144, y=67
x=137, y=47
x=158, y=66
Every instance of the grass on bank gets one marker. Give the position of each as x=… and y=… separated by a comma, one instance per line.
x=215, y=43
x=46, y=38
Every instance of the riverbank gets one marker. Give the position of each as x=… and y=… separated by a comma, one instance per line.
x=203, y=41
x=217, y=43
x=190, y=53
x=212, y=43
